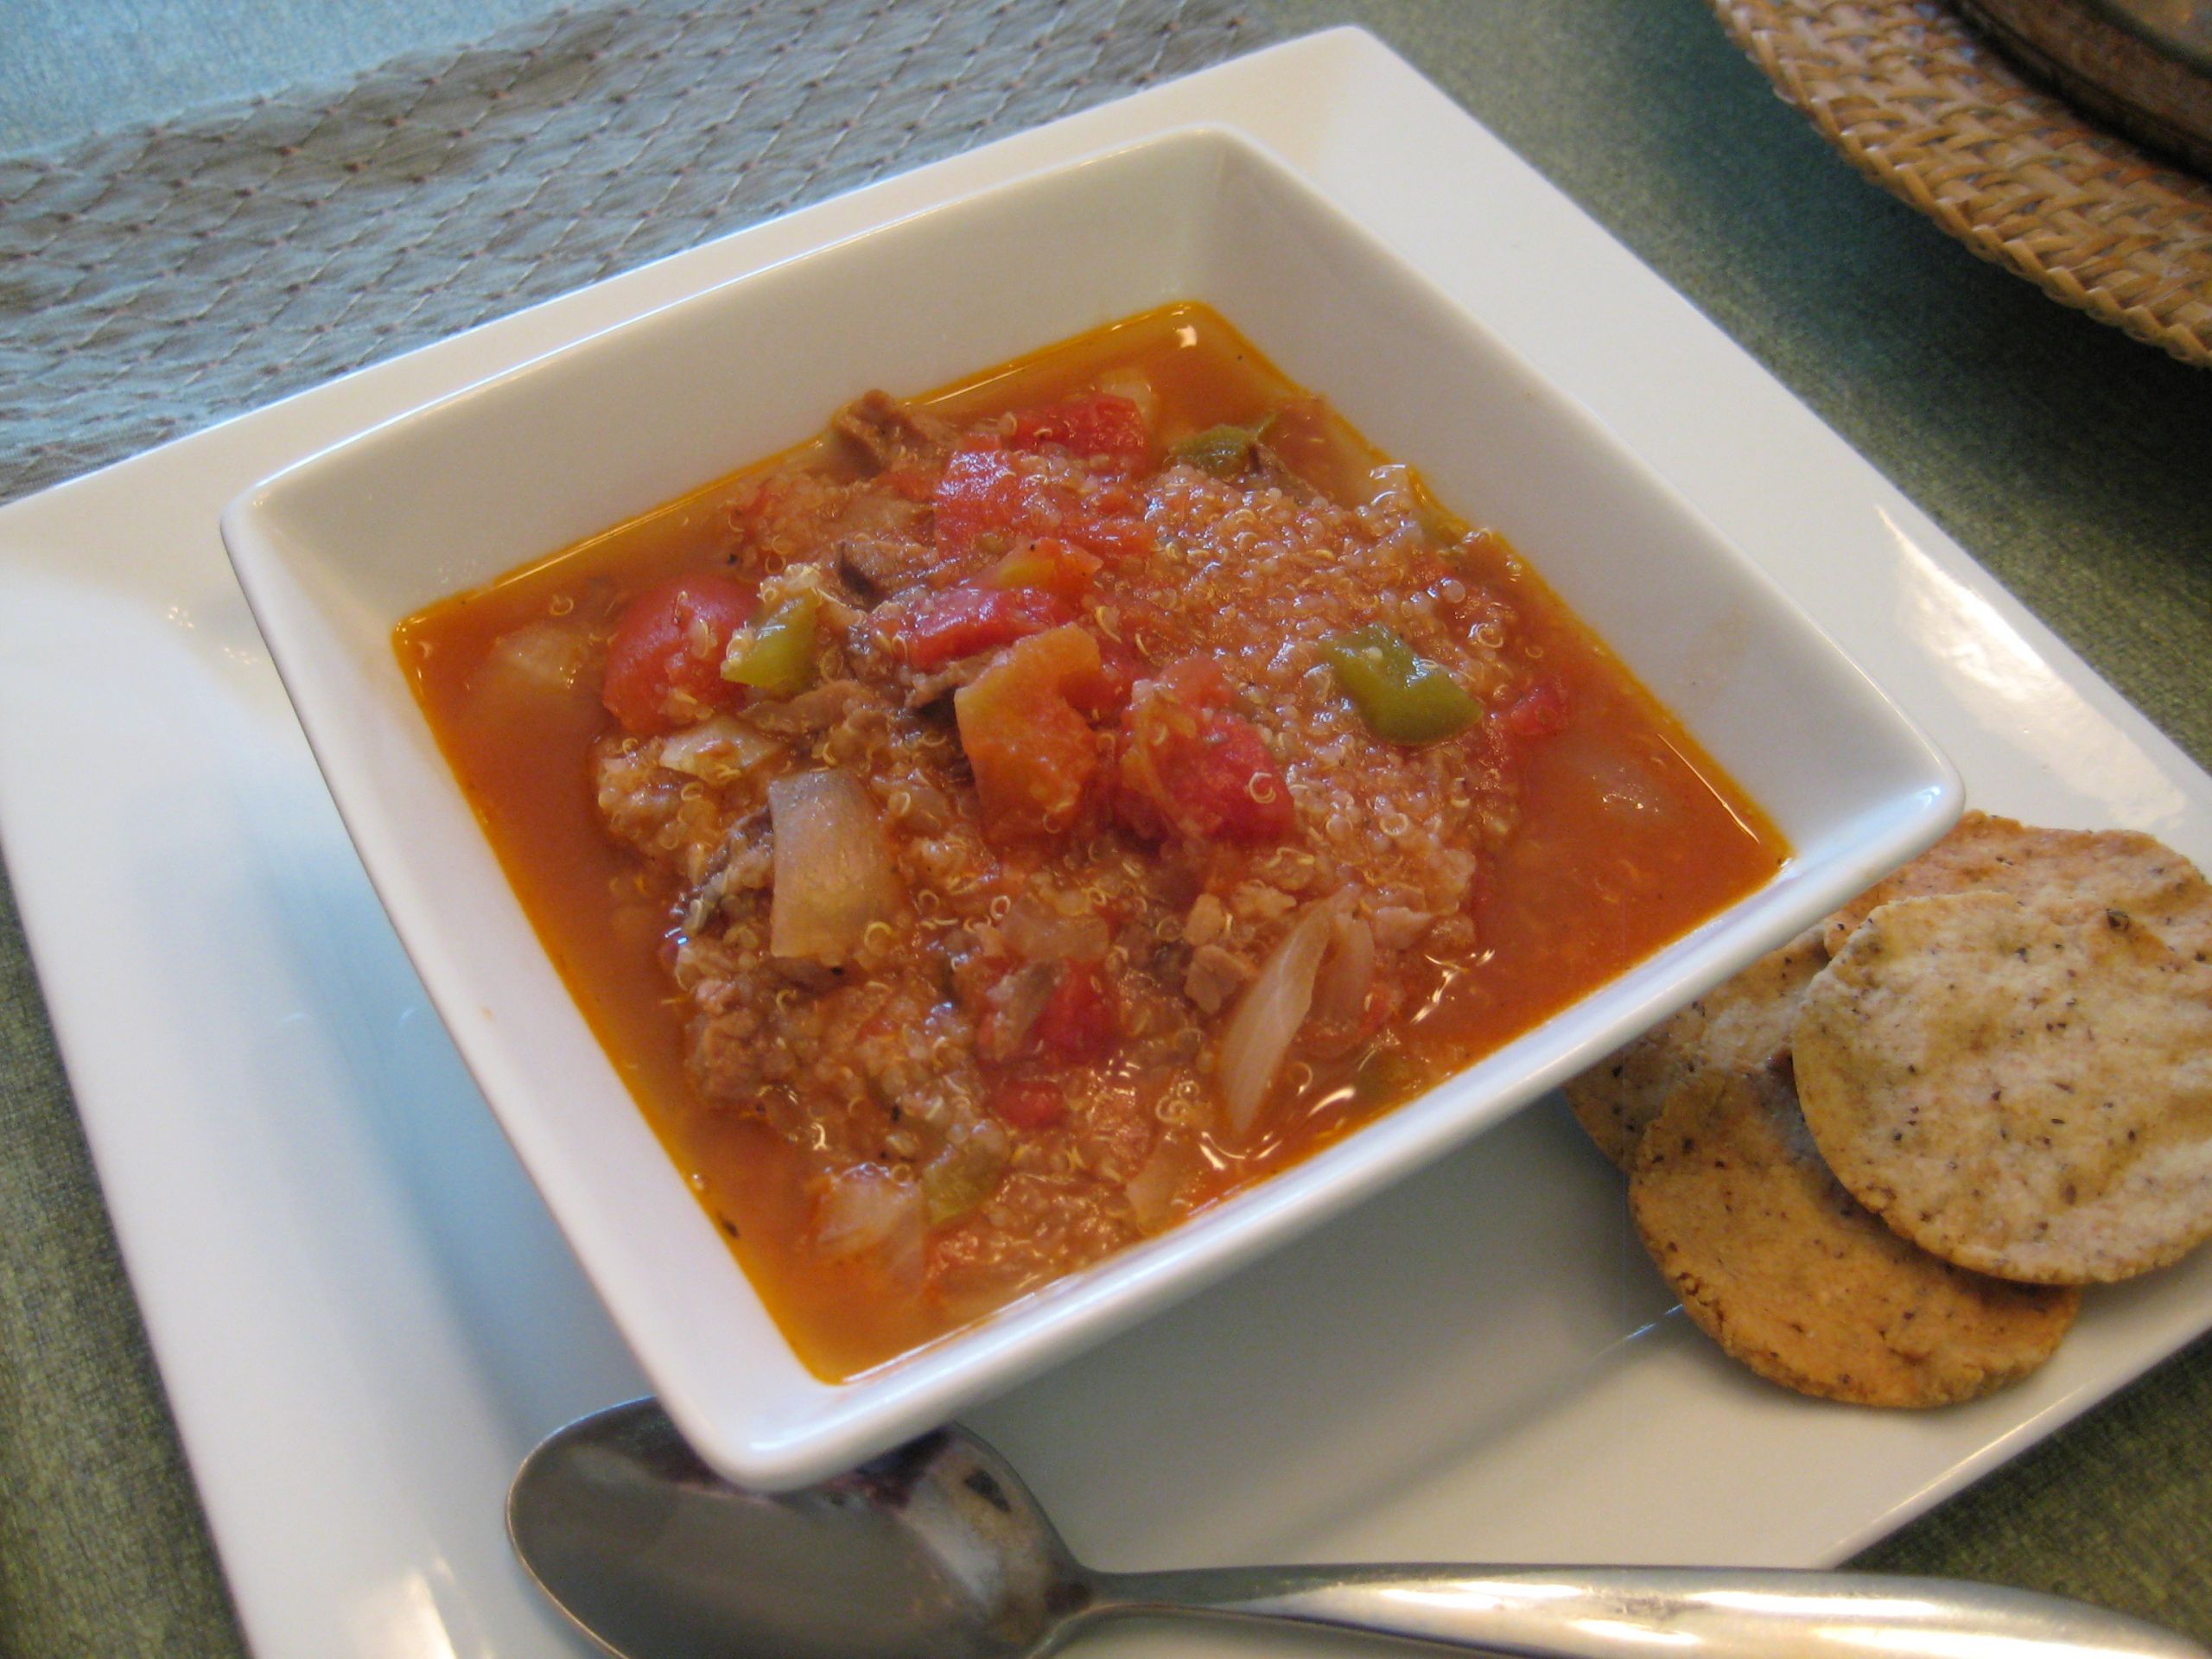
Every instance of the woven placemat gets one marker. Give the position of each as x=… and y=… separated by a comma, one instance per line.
x=1922, y=105
x=155, y=279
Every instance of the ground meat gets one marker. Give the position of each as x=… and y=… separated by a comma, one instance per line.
x=811, y=712
x=842, y=1068
x=1215, y=977
x=882, y=545
x=1012, y=1006
x=925, y=690
x=1032, y=1219
x=1270, y=469
x=1207, y=921
x=668, y=817
x=1256, y=901
x=885, y=432
x=743, y=867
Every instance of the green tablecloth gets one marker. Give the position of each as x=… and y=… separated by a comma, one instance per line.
x=2075, y=463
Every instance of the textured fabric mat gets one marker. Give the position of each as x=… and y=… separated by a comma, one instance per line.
x=155, y=280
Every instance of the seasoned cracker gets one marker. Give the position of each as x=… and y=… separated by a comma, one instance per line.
x=1742, y=1022
x=2020, y=1094
x=2073, y=874
x=1781, y=1267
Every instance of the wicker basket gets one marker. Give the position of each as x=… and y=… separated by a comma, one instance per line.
x=1922, y=106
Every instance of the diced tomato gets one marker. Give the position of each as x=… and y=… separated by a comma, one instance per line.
x=1029, y=1103
x=1541, y=711
x=1030, y=750
x=1108, y=694
x=982, y=491
x=1193, y=765
x=1112, y=525
x=956, y=622
x=663, y=664
x=1114, y=537
x=1077, y=1022
x=1224, y=786
x=985, y=492
x=1095, y=426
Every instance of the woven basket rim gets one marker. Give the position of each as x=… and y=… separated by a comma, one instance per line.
x=1915, y=98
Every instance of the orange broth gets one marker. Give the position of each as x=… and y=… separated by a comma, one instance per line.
x=1583, y=888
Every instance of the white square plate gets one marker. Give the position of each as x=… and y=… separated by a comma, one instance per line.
x=337, y=549
x=363, y=1315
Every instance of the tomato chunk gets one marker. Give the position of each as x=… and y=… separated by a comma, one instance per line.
x=1095, y=427
x=1030, y=1104
x=1077, y=1022
x=1105, y=695
x=987, y=503
x=956, y=622
x=980, y=492
x=1191, y=765
x=1030, y=748
x=663, y=664
x=1541, y=711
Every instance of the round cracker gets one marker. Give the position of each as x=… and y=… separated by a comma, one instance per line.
x=2073, y=874
x=1743, y=1022
x=1781, y=1267
x=2022, y=1094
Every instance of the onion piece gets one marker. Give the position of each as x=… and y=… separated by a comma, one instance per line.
x=1041, y=932
x=834, y=877
x=541, y=671
x=1155, y=1192
x=552, y=655
x=863, y=1207
x=1267, y=1019
x=1011, y=1009
x=1136, y=386
x=1341, y=993
x=719, y=750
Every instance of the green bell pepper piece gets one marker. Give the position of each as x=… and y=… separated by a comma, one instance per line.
x=1221, y=450
x=1224, y=451
x=779, y=662
x=1404, y=698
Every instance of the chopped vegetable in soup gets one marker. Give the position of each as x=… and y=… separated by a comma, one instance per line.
x=1022, y=816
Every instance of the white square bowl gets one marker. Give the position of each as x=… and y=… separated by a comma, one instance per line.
x=336, y=550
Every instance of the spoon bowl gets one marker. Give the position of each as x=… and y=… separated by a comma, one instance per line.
x=938, y=1551
x=654, y=1555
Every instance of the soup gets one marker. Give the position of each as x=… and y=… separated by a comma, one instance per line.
x=1027, y=813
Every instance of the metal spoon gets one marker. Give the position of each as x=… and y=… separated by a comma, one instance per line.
x=937, y=1551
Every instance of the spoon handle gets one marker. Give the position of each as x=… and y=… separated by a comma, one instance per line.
x=1630, y=1612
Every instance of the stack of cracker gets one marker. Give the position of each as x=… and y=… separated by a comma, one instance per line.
x=1878, y=1164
